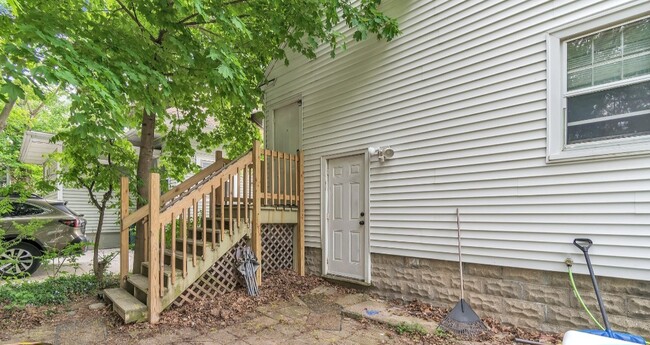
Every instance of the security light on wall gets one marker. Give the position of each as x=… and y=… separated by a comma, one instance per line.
x=382, y=153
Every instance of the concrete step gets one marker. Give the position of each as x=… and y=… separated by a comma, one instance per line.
x=381, y=312
x=126, y=305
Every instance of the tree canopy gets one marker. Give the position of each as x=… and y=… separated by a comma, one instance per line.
x=124, y=59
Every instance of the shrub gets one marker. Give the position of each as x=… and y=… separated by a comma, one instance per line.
x=53, y=290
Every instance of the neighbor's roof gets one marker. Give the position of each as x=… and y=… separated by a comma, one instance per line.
x=36, y=146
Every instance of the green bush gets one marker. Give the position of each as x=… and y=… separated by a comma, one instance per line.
x=53, y=290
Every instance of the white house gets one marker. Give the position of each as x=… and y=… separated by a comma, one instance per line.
x=35, y=148
x=531, y=117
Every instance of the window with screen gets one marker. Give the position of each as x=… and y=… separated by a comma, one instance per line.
x=607, y=84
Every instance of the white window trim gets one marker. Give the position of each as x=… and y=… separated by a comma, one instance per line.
x=556, y=149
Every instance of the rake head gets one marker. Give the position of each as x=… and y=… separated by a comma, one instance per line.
x=463, y=321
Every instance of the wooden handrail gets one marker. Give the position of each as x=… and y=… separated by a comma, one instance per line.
x=186, y=201
x=143, y=211
x=280, y=178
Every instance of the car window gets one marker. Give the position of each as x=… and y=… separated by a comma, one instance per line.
x=23, y=209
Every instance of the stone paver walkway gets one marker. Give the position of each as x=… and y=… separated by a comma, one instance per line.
x=318, y=317
x=315, y=318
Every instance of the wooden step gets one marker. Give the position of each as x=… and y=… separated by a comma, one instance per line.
x=128, y=307
x=208, y=235
x=199, y=245
x=179, y=257
x=167, y=272
x=208, y=222
x=140, y=282
x=235, y=211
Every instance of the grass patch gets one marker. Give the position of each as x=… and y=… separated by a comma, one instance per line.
x=51, y=291
x=410, y=328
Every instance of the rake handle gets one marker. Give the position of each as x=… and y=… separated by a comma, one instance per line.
x=460, y=257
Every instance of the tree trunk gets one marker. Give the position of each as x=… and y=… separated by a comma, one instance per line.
x=145, y=163
x=4, y=115
x=99, y=267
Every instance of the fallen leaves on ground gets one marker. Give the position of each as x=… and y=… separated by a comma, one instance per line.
x=232, y=307
x=499, y=333
x=207, y=314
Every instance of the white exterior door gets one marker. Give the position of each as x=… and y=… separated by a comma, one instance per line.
x=346, y=230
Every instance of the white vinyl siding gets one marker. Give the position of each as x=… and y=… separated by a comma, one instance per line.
x=461, y=98
x=79, y=201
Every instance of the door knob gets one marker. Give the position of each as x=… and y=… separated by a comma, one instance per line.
x=362, y=214
x=361, y=222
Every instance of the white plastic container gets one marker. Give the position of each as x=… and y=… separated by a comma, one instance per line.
x=582, y=338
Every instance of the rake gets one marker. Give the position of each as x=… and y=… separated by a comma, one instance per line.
x=462, y=320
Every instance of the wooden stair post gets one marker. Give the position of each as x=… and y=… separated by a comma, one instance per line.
x=153, y=295
x=300, y=245
x=256, y=237
x=124, y=230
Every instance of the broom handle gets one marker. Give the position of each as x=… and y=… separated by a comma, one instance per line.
x=460, y=257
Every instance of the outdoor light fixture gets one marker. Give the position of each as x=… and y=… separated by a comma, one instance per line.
x=382, y=153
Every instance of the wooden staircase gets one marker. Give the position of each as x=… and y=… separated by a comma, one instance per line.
x=189, y=228
x=130, y=302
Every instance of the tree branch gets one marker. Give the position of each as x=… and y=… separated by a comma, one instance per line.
x=33, y=113
x=4, y=115
x=136, y=20
x=187, y=18
x=161, y=34
x=90, y=189
x=196, y=23
x=234, y=2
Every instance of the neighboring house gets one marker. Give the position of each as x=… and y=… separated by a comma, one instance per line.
x=531, y=117
x=36, y=147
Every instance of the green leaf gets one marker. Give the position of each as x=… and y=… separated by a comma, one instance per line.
x=12, y=90
x=225, y=71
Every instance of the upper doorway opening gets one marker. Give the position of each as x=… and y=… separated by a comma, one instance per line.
x=284, y=134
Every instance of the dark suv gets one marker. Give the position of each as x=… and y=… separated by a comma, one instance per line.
x=58, y=227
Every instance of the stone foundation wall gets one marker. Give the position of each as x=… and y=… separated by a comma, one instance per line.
x=313, y=261
x=531, y=299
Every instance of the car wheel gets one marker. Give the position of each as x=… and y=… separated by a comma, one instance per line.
x=20, y=259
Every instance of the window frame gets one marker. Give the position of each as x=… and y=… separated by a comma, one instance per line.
x=556, y=43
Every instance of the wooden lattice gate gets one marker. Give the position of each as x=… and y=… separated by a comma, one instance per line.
x=223, y=276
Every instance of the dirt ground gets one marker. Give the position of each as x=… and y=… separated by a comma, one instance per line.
x=289, y=310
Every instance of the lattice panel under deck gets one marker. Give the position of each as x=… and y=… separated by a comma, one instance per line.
x=277, y=247
x=222, y=277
